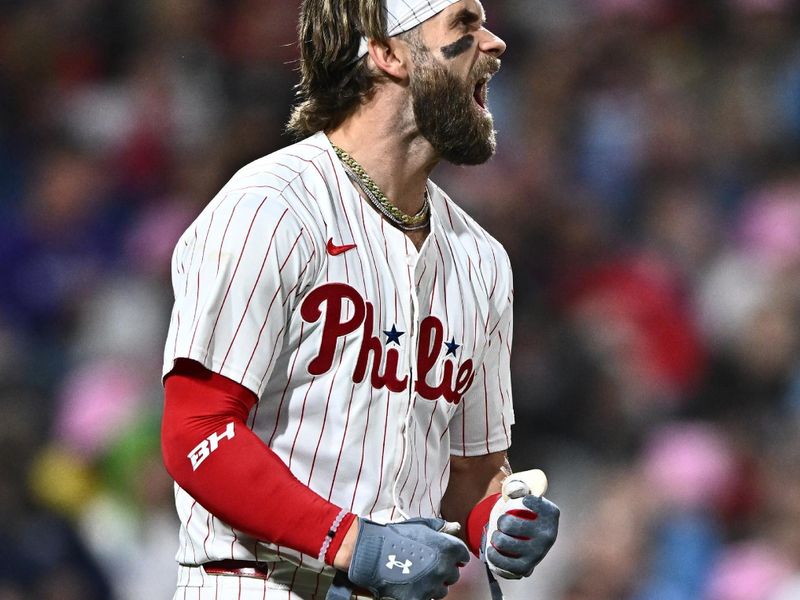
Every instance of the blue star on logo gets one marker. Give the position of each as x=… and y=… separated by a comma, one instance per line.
x=393, y=336
x=452, y=347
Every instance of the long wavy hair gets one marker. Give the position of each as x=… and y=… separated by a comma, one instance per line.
x=333, y=81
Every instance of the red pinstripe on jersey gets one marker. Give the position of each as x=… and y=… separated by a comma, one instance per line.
x=209, y=526
x=188, y=525
x=324, y=420
x=425, y=459
x=300, y=423
x=341, y=446
x=286, y=388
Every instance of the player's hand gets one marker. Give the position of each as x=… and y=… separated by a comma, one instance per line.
x=414, y=559
x=520, y=533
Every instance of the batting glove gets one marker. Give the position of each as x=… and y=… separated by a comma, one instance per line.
x=519, y=534
x=410, y=560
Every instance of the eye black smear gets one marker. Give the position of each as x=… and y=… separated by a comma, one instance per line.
x=460, y=46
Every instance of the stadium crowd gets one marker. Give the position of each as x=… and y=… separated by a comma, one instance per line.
x=647, y=189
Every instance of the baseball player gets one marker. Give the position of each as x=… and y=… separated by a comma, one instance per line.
x=338, y=399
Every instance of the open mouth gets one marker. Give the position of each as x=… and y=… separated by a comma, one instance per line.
x=481, y=92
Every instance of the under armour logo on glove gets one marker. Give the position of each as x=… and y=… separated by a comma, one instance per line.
x=393, y=562
x=437, y=553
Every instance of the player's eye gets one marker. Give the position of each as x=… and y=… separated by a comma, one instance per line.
x=469, y=24
x=469, y=21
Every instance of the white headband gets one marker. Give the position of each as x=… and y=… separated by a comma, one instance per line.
x=404, y=15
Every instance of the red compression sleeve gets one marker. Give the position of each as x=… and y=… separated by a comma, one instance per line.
x=212, y=454
x=477, y=521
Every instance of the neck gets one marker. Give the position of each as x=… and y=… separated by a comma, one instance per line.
x=384, y=140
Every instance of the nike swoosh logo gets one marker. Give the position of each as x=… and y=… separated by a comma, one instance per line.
x=335, y=250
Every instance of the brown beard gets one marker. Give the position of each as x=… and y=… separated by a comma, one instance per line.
x=447, y=114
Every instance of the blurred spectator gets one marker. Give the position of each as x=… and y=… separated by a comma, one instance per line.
x=42, y=553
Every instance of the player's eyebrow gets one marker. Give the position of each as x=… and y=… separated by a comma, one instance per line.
x=466, y=17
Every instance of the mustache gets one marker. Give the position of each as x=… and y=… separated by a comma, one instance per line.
x=486, y=67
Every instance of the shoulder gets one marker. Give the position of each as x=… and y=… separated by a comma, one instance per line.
x=286, y=186
x=289, y=171
x=276, y=197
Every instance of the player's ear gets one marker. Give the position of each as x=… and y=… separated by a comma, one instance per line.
x=391, y=57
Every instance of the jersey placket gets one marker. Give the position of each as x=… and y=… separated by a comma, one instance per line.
x=421, y=266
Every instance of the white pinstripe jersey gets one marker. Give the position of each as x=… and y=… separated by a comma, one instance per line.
x=372, y=363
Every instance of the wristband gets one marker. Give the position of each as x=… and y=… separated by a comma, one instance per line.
x=335, y=536
x=477, y=521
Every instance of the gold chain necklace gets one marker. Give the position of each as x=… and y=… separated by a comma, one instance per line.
x=371, y=190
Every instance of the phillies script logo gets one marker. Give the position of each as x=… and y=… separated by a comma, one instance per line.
x=431, y=340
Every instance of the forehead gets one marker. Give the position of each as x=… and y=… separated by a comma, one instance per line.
x=456, y=13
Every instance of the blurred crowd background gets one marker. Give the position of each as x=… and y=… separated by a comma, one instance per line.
x=647, y=188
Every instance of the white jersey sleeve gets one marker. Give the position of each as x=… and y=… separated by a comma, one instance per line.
x=237, y=273
x=482, y=423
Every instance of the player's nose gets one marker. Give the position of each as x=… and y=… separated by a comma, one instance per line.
x=491, y=43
